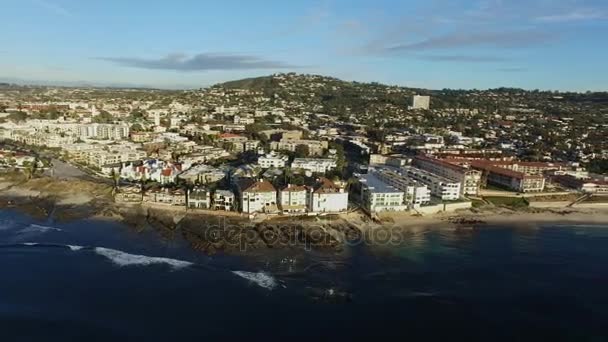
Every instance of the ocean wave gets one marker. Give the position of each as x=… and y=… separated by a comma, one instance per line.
x=47, y=245
x=125, y=259
x=36, y=228
x=261, y=279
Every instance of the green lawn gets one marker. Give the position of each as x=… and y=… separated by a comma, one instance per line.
x=512, y=202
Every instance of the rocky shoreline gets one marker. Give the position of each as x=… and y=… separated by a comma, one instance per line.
x=62, y=201
x=208, y=234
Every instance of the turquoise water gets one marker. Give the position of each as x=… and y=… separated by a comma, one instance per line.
x=104, y=281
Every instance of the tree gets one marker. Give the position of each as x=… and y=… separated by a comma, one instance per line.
x=103, y=117
x=302, y=151
x=17, y=116
x=136, y=128
x=115, y=181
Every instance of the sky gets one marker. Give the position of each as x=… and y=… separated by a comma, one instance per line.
x=532, y=44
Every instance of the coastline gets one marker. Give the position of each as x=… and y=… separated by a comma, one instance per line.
x=66, y=200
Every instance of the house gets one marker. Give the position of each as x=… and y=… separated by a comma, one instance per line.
x=223, y=200
x=327, y=197
x=257, y=196
x=128, y=194
x=199, y=198
x=273, y=159
x=293, y=199
x=166, y=196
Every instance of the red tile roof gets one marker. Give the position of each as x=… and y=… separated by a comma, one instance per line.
x=252, y=185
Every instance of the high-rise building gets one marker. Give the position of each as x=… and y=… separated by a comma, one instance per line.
x=421, y=102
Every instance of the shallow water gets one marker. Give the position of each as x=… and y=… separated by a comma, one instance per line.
x=103, y=281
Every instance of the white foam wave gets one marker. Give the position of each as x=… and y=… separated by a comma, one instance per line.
x=30, y=244
x=260, y=278
x=36, y=228
x=126, y=259
x=74, y=248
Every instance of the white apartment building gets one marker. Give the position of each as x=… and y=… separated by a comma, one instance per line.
x=243, y=120
x=315, y=147
x=469, y=178
x=441, y=187
x=378, y=196
x=314, y=165
x=114, y=155
x=202, y=174
x=327, y=197
x=273, y=159
x=416, y=193
x=293, y=199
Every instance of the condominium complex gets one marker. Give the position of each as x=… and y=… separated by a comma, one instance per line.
x=273, y=159
x=469, y=178
x=315, y=147
x=441, y=187
x=513, y=180
x=314, y=165
x=378, y=196
x=416, y=193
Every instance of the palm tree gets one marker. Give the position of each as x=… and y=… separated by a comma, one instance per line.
x=142, y=182
x=115, y=181
x=28, y=170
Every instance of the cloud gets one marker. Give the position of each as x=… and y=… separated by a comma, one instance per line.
x=575, y=15
x=462, y=58
x=200, y=62
x=53, y=8
x=508, y=39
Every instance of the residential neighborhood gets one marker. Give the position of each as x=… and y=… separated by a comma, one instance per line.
x=260, y=151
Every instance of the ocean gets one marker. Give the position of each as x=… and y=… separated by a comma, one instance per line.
x=103, y=281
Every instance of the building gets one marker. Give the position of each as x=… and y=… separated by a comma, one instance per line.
x=470, y=179
x=314, y=165
x=166, y=196
x=257, y=196
x=202, y=174
x=441, y=187
x=128, y=194
x=513, y=180
x=273, y=159
x=327, y=197
x=293, y=199
x=416, y=193
x=223, y=200
x=315, y=147
x=199, y=198
x=587, y=185
x=421, y=102
x=232, y=138
x=378, y=196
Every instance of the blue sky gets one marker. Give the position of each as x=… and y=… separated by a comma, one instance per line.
x=545, y=44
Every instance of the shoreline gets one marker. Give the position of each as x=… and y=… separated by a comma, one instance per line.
x=63, y=201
